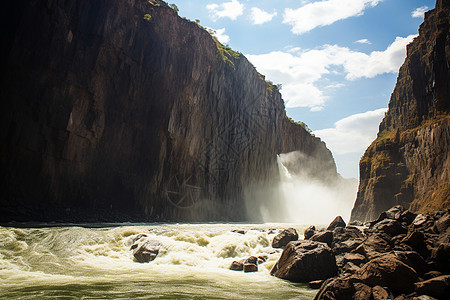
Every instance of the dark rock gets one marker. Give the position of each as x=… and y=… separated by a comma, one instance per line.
x=126, y=118
x=339, y=288
x=438, y=287
x=324, y=237
x=337, y=222
x=284, y=237
x=316, y=284
x=440, y=256
x=375, y=245
x=432, y=274
x=262, y=259
x=443, y=223
x=146, y=250
x=395, y=212
x=388, y=271
x=305, y=261
x=240, y=231
x=412, y=259
x=363, y=292
x=391, y=227
x=249, y=267
x=407, y=217
x=237, y=265
x=415, y=239
x=350, y=268
x=309, y=232
x=379, y=293
x=251, y=260
x=355, y=258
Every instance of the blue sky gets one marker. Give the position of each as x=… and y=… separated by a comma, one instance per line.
x=336, y=59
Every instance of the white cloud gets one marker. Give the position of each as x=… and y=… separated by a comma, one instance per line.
x=363, y=41
x=219, y=34
x=419, y=12
x=354, y=133
x=232, y=10
x=299, y=72
x=322, y=13
x=259, y=16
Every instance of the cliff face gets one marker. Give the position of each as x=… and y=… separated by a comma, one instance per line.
x=122, y=110
x=409, y=162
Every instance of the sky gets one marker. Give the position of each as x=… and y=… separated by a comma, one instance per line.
x=337, y=60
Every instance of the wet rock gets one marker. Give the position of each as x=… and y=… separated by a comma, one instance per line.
x=419, y=220
x=388, y=271
x=262, y=259
x=309, y=232
x=305, y=261
x=240, y=231
x=250, y=267
x=284, y=237
x=337, y=222
x=438, y=287
x=391, y=227
x=146, y=250
x=316, y=284
x=324, y=237
x=237, y=265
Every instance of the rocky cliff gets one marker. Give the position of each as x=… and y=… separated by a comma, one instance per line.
x=409, y=162
x=121, y=110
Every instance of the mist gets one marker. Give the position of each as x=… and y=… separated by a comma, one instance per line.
x=304, y=195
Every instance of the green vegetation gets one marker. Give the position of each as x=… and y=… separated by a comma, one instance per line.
x=147, y=17
x=174, y=7
x=224, y=52
x=153, y=2
x=302, y=124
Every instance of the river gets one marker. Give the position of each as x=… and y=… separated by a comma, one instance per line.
x=94, y=261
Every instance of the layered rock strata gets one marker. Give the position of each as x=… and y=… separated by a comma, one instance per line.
x=122, y=110
x=409, y=162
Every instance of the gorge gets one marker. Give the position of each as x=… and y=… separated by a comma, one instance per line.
x=122, y=110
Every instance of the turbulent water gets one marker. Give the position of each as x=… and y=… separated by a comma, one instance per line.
x=73, y=262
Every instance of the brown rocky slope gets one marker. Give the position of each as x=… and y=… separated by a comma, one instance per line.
x=409, y=162
x=122, y=110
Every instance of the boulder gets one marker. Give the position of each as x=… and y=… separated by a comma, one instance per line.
x=440, y=256
x=412, y=259
x=309, y=232
x=395, y=212
x=146, y=250
x=415, y=239
x=388, y=271
x=337, y=222
x=407, y=217
x=391, y=227
x=237, y=265
x=419, y=220
x=438, y=287
x=324, y=237
x=339, y=288
x=363, y=292
x=442, y=223
x=284, y=237
x=379, y=293
x=249, y=267
x=240, y=231
x=354, y=258
x=305, y=261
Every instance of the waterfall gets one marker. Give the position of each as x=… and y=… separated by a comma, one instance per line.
x=284, y=172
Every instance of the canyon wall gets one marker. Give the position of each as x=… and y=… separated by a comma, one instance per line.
x=409, y=162
x=122, y=110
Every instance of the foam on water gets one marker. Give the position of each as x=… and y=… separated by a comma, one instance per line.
x=96, y=263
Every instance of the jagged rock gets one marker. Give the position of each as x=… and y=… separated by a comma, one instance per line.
x=337, y=222
x=409, y=162
x=388, y=271
x=363, y=292
x=443, y=223
x=440, y=256
x=438, y=287
x=262, y=259
x=412, y=259
x=146, y=250
x=391, y=227
x=240, y=231
x=415, y=239
x=354, y=258
x=305, y=261
x=407, y=217
x=419, y=220
x=284, y=237
x=432, y=274
x=309, y=232
x=147, y=102
x=355, y=223
x=395, y=212
x=316, y=284
x=340, y=288
x=324, y=237
x=379, y=293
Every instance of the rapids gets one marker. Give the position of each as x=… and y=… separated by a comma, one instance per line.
x=71, y=262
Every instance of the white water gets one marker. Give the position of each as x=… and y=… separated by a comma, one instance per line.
x=96, y=263
x=306, y=200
